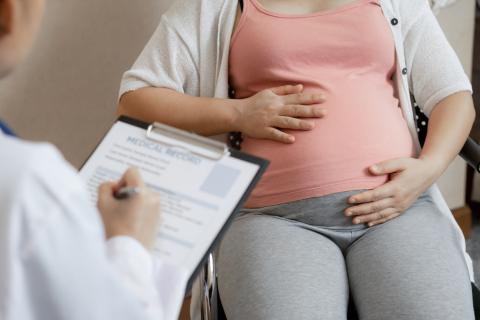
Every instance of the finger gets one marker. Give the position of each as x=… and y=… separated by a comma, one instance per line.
x=300, y=111
x=382, y=192
x=287, y=89
x=132, y=178
x=155, y=201
x=383, y=214
x=292, y=123
x=370, y=207
x=377, y=222
x=303, y=98
x=106, y=191
x=389, y=166
x=277, y=135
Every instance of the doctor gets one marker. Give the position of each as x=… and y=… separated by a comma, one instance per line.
x=54, y=260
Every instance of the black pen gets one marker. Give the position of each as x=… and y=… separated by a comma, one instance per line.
x=126, y=192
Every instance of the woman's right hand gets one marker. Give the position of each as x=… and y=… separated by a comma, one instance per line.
x=265, y=114
x=137, y=216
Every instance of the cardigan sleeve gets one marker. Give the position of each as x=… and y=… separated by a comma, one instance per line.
x=435, y=71
x=167, y=61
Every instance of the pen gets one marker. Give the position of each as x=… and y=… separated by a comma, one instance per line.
x=126, y=192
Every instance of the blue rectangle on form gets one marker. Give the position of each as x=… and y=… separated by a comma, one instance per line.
x=220, y=180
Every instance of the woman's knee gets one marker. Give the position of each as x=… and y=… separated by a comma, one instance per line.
x=412, y=267
x=271, y=268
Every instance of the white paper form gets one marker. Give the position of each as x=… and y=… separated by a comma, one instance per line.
x=197, y=194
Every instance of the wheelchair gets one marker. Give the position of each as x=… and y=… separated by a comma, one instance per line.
x=211, y=307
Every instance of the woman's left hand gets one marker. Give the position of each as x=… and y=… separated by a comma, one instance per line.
x=409, y=178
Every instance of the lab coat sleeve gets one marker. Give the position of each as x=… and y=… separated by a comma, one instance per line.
x=148, y=277
x=434, y=69
x=134, y=264
x=61, y=269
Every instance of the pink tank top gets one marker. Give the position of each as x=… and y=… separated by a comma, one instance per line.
x=346, y=53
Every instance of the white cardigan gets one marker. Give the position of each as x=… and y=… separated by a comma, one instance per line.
x=189, y=53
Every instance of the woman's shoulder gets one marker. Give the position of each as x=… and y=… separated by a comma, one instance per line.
x=193, y=5
x=409, y=8
x=183, y=12
x=408, y=12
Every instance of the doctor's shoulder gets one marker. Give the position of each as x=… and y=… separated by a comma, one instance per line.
x=37, y=173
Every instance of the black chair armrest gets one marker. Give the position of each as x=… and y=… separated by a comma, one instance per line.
x=476, y=301
x=471, y=153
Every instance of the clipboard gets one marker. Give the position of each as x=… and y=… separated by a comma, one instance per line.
x=212, y=152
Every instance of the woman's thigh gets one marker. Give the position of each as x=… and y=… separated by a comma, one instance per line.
x=272, y=268
x=410, y=268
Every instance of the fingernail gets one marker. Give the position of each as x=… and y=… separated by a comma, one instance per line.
x=370, y=224
x=352, y=200
x=348, y=213
x=375, y=168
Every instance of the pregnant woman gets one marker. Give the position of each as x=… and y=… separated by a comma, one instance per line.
x=322, y=89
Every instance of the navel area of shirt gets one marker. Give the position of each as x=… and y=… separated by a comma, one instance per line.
x=349, y=55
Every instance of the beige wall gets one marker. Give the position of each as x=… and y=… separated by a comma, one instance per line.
x=66, y=92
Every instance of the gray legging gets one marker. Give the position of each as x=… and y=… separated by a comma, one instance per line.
x=299, y=261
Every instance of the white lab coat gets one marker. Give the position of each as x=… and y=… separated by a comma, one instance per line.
x=54, y=261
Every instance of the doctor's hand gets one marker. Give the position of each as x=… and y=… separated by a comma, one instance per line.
x=409, y=178
x=137, y=216
x=265, y=114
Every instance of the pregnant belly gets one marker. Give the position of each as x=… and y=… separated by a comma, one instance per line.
x=334, y=156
